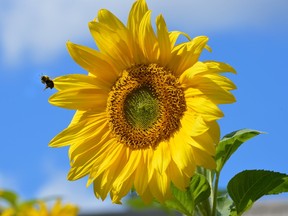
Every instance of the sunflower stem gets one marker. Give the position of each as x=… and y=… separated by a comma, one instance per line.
x=215, y=192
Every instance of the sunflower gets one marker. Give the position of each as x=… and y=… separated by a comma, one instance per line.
x=40, y=209
x=146, y=112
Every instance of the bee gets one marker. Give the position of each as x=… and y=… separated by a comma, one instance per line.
x=47, y=81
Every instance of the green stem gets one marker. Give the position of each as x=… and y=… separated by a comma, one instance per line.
x=215, y=193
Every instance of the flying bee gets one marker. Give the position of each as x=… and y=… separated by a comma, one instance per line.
x=47, y=81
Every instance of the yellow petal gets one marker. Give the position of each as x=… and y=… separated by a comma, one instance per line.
x=109, y=19
x=131, y=165
x=120, y=190
x=141, y=176
x=76, y=173
x=193, y=124
x=114, y=43
x=82, y=115
x=136, y=14
x=147, y=196
x=216, y=95
x=79, y=81
x=204, y=159
x=214, y=131
x=81, y=99
x=161, y=157
x=94, y=157
x=173, y=36
x=209, y=81
x=97, y=188
x=111, y=173
x=212, y=86
x=79, y=132
x=115, y=157
x=182, y=153
x=219, y=67
x=160, y=187
x=94, y=142
x=204, y=107
x=179, y=179
x=56, y=208
x=82, y=163
x=205, y=143
x=94, y=62
x=221, y=81
x=208, y=67
x=148, y=155
x=163, y=41
x=147, y=39
x=185, y=55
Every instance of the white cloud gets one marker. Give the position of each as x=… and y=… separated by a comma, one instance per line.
x=39, y=29
x=74, y=192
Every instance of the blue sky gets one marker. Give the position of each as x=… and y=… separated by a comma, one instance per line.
x=249, y=35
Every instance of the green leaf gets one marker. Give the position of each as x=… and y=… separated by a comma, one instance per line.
x=138, y=204
x=199, y=188
x=248, y=186
x=182, y=201
x=185, y=201
x=230, y=143
x=224, y=204
x=9, y=196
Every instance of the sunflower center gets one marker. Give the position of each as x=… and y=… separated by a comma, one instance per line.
x=145, y=106
x=141, y=108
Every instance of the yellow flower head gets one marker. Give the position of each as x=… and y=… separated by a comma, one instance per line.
x=146, y=112
x=40, y=209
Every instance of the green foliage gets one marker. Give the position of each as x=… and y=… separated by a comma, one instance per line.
x=10, y=197
x=224, y=205
x=199, y=188
x=182, y=202
x=137, y=203
x=14, y=202
x=186, y=201
x=230, y=143
x=244, y=189
x=248, y=186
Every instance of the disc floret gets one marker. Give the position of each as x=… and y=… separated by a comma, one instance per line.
x=145, y=106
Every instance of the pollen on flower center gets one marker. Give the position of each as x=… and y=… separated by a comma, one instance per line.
x=145, y=106
x=141, y=108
